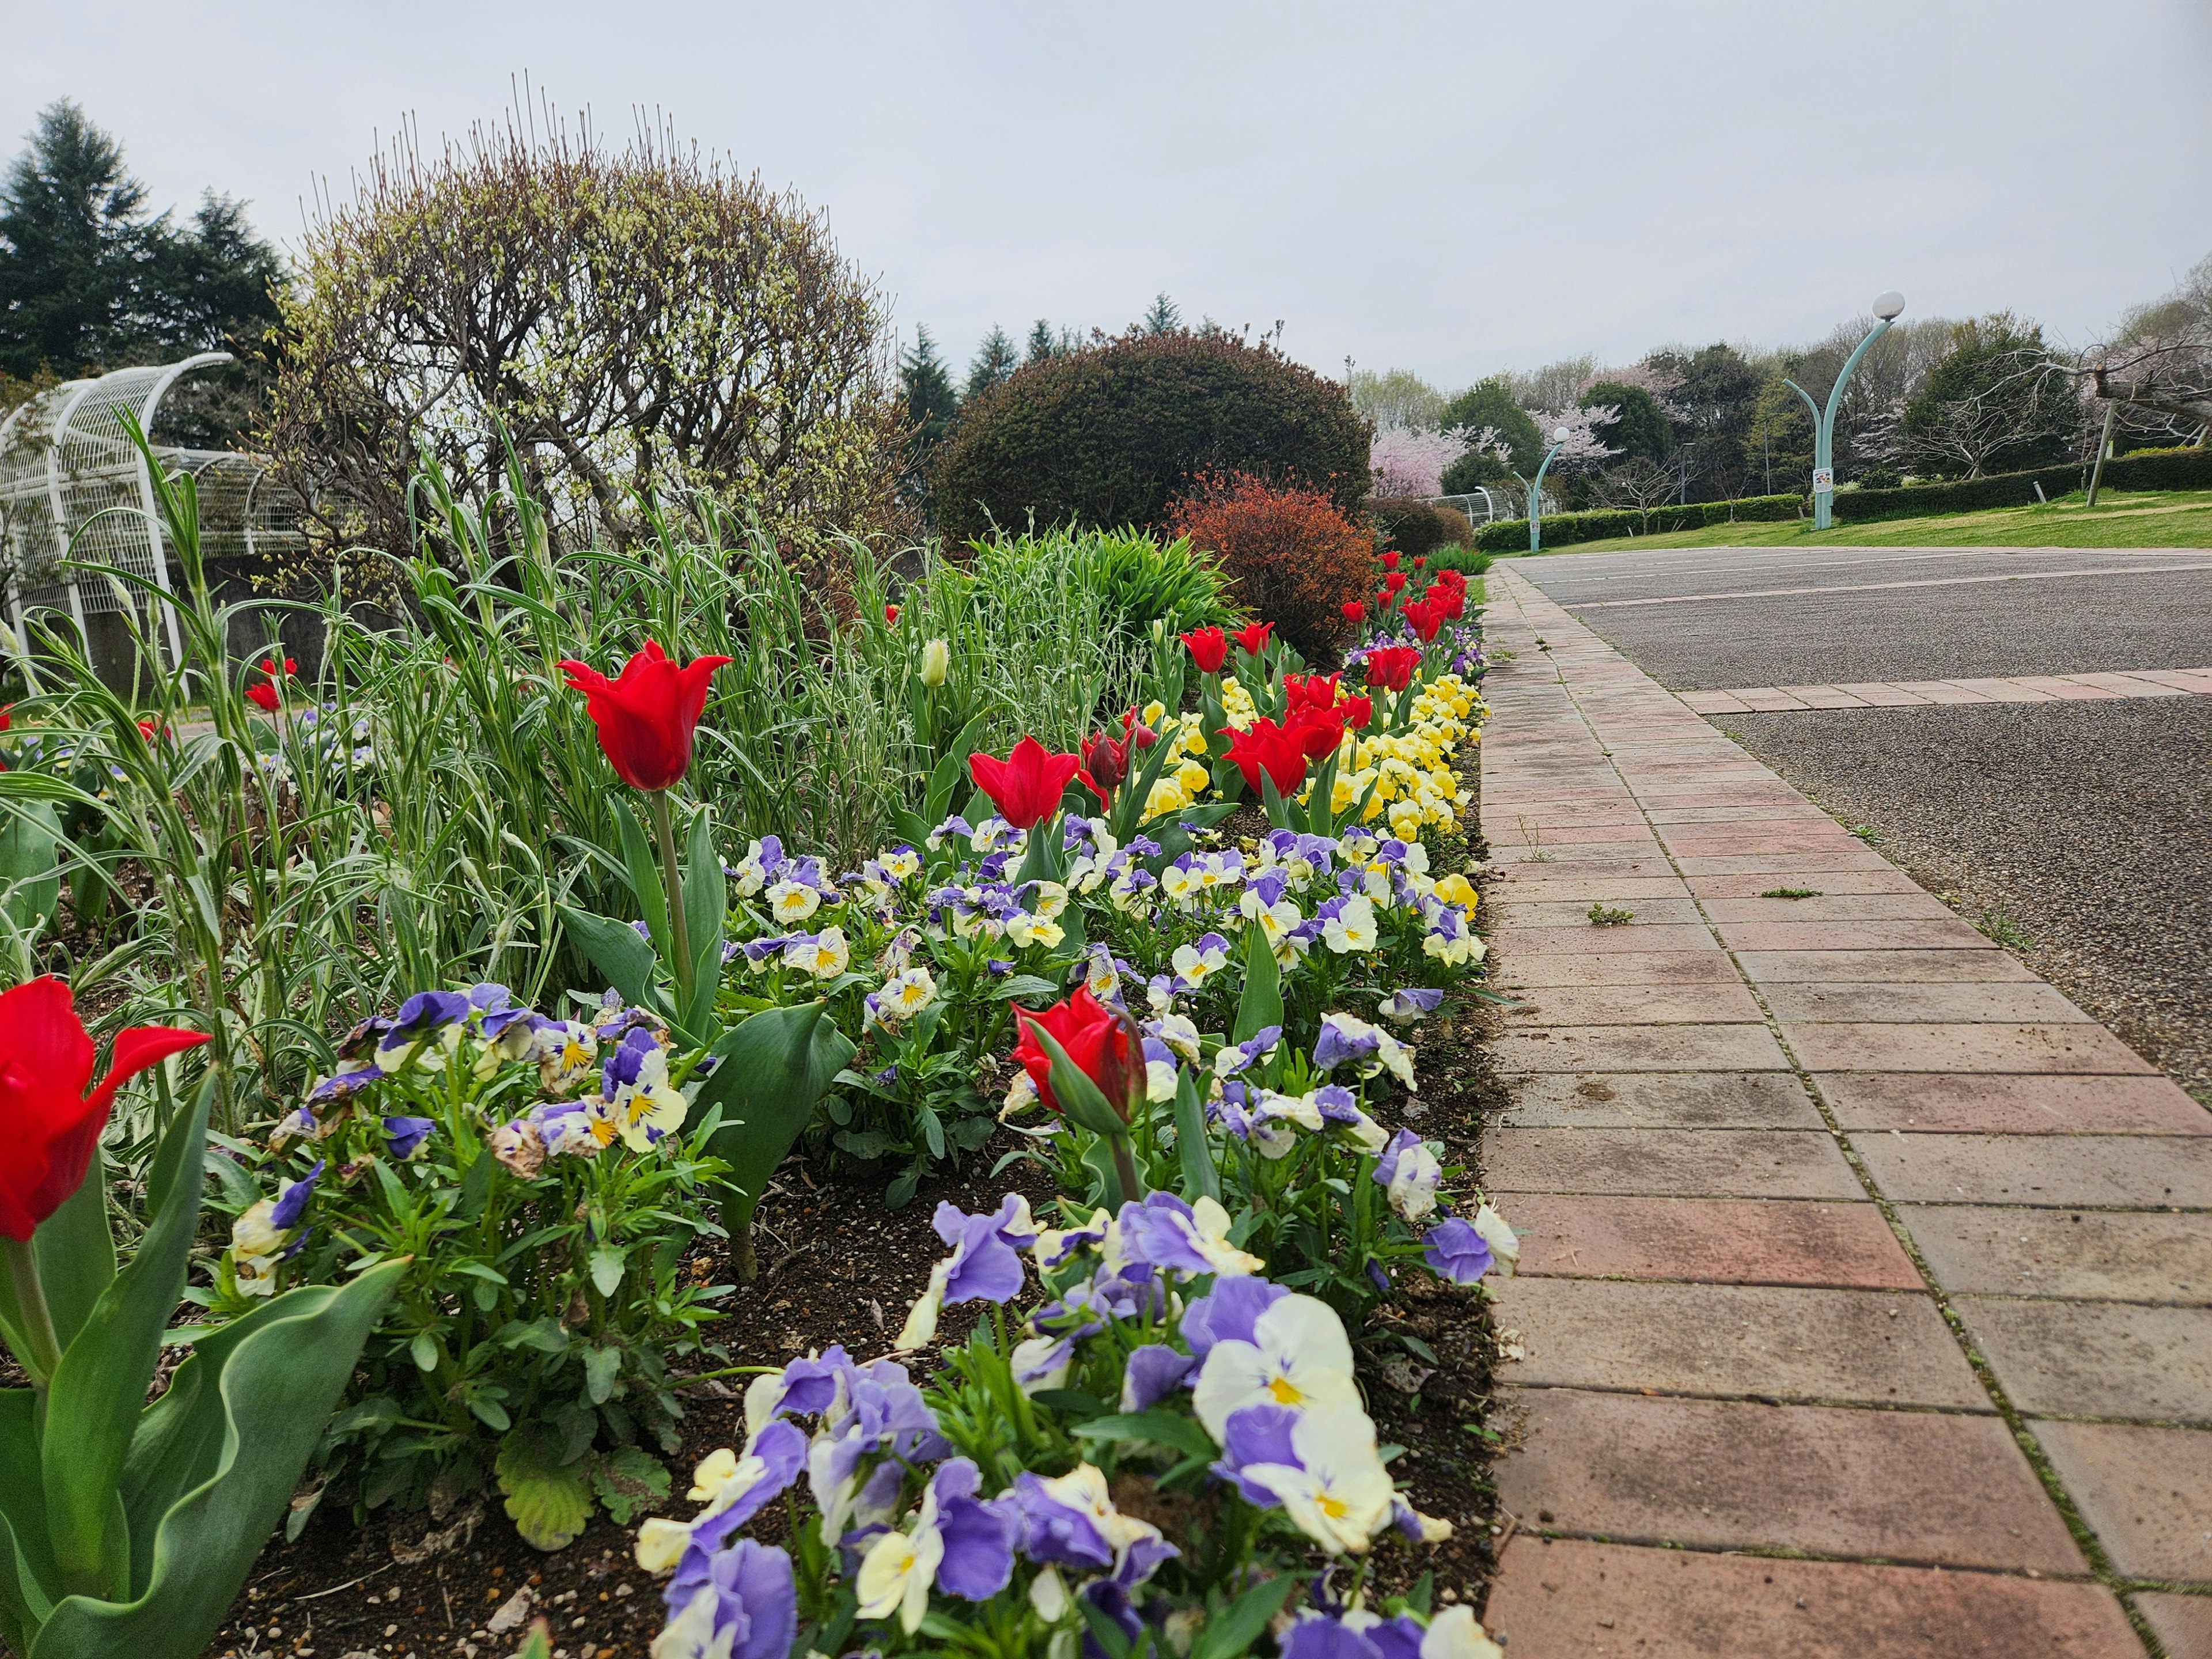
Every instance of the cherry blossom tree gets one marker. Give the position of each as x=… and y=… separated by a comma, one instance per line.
x=1409, y=460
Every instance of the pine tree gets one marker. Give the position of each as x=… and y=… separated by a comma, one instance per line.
x=1042, y=343
x=995, y=359
x=88, y=281
x=1163, y=315
x=931, y=402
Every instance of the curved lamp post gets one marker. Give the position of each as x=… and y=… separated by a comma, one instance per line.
x=1886, y=307
x=1536, y=491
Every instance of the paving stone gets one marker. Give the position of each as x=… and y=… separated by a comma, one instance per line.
x=1985, y=1047
x=1949, y=1004
x=1515, y=912
x=2096, y=1358
x=1932, y=934
x=1662, y=1100
x=1619, y=840
x=1693, y=842
x=1851, y=1346
x=1706, y=967
x=2065, y=690
x=1637, y=1005
x=2145, y=1492
x=2183, y=1623
x=1768, y=812
x=2016, y=1104
x=1834, y=859
x=1829, y=883
x=1716, y=1241
x=1583, y=889
x=1841, y=967
x=1570, y=1600
x=1669, y=1163
x=1589, y=940
x=1836, y=906
x=1878, y=694
x=2122, y=1171
x=1902, y=1486
x=1512, y=865
x=1641, y=1048
x=2113, y=1255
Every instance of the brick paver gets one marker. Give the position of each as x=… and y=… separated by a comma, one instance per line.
x=1789, y=1171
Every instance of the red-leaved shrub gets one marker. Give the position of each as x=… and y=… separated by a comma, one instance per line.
x=1291, y=557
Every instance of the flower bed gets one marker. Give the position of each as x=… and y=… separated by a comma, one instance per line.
x=1169, y=984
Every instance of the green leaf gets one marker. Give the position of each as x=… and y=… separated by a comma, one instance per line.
x=1080, y=1100
x=1017, y=986
x=75, y=1252
x=627, y=1481
x=705, y=902
x=548, y=1501
x=424, y=1351
x=601, y=1367
x=606, y=1268
x=614, y=948
x=28, y=1586
x=1200, y=1178
x=214, y=1464
x=769, y=1072
x=643, y=869
x=1262, y=1004
x=1158, y=1428
x=1236, y=1628
x=30, y=887
x=99, y=1387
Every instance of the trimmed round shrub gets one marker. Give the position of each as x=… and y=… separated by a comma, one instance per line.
x=1291, y=556
x=1416, y=527
x=1113, y=435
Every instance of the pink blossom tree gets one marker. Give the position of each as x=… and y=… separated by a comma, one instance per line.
x=1410, y=460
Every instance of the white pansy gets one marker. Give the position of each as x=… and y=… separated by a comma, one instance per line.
x=1298, y=1357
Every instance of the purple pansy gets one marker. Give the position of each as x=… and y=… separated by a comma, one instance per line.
x=1228, y=1312
x=1154, y=1371
x=286, y=1212
x=979, y=1535
x=1455, y=1251
x=406, y=1134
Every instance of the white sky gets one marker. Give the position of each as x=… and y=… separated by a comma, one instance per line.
x=1454, y=189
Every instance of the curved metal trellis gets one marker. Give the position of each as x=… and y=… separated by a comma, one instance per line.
x=66, y=460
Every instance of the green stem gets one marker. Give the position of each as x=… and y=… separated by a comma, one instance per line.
x=44, y=1347
x=1126, y=1168
x=664, y=831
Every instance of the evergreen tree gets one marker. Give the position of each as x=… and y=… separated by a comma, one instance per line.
x=1162, y=314
x=1042, y=343
x=89, y=282
x=995, y=359
x=931, y=402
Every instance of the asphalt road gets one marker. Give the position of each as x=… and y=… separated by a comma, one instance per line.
x=1699, y=617
x=2080, y=832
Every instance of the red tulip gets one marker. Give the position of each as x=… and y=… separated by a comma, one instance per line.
x=646, y=718
x=1135, y=730
x=1267, y=747
x=1318, y=732
x=1419, y=559
x=1253, y=640
x=1426, y=617
x=1207, y=648
x=264, y=695
x=5, y=714
x=1353, y=611
x=1390, y=667
x=1450, y=602
x=1026, y=786
x=1105, y=763
x=892, y=614
x=1098, y=1039
x=1311, y=691
x=51, y=1126
x=1390, y=561
x=1394, y=580
x=1356, y=712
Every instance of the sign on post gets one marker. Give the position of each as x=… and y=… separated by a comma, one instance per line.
x=1824, y=481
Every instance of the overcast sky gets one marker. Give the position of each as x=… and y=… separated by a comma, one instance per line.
x=1454, y=189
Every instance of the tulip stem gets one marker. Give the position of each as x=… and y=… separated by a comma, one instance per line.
x=1125, y=1167
x=679, y=932
x=45, y=1348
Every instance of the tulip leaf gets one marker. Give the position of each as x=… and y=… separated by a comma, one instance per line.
x=1262, y=1005
x=946, y=778
x=705, y=902
x=769, y=1072
x=99, y=1387
x=614, y=948
x=1200, y=1178
x=215, y=1462
x=1080, y=1100
x=76, y=1252
x=26, y=1567
x=644, y=872
x=30, y=887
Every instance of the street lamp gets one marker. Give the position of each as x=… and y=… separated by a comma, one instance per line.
x=1886, y=307
x=1536, y=491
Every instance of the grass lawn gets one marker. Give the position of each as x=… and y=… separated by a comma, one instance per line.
x=2178, y=518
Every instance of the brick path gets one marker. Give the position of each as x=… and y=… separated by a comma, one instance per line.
x=1866, y=1300
x=1898, y=694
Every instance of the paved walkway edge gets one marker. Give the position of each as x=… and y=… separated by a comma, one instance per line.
x=1865, y=1301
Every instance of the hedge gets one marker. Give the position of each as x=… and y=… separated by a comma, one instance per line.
x=1565, y=529
x=2147, y=468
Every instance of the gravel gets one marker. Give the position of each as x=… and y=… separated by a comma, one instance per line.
x=2059, y=625
x=2082, y=827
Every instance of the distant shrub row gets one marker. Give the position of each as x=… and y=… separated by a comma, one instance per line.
x=1564, y=529
x=2147, y=468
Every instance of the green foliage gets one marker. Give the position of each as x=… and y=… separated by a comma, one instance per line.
x=1397, y=397
x=995, y=359
x=2168, y=469
x=1465, y=559
x=1489, y=403
x=1718, y=390
x=1565, y=529
x=1989, y=405
x=1421, y=527
x=1111, y=436
x=931, y=402
x=126, y=1527
x=1641, y=431
x=1139, y=580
